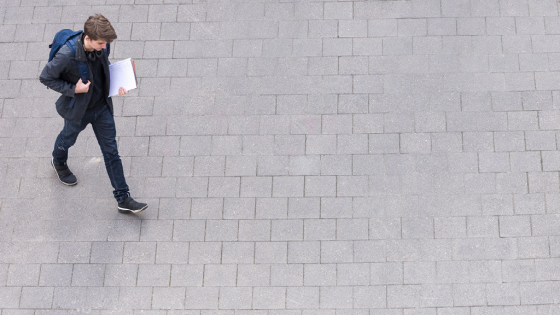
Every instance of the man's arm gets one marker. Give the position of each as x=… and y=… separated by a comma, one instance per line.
x=50, y=76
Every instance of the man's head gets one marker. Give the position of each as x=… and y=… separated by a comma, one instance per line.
x=98, y=31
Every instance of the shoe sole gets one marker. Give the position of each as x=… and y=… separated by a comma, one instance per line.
x=67, y=184
x=123, y=210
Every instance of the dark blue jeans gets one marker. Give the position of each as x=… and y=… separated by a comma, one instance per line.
x=103, y=125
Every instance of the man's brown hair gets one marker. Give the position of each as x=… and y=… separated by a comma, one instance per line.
x=97, y=27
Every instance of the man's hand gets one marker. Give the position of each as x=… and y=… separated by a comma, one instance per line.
x=122, y=91
x=81, y=87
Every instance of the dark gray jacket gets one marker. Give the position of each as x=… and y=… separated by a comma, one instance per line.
x=61, y=74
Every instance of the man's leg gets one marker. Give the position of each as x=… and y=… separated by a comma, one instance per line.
x=66, y=138
x=105, y=131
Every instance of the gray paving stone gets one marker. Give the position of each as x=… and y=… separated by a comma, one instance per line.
x=210, y=208
x=253, y=275
x=244, y=125
x=168, y=298
x=277, y=47
x=271, y=252
x=154, y=275
x=319, y=274
x=336, y=297
x=500, y=26
x=534, y=247
x=191, y=12
x=204, y=252
x=319, y=229
x=283, y=186
x=226, y=145
x=289, y=145
x=23, y=275
x=388, y=311
x=271, y=208
x=336, y=252
x=471, y=26
x=223, y=187
x=221, y=230
x=403, y=296
x=382, y=27
x=259, y=145
x=239, y=208
x=189, y=230
x=99, y=298
x=369, y=251
x=302, y=298
x=417, y=228
x=256, y=187
x=192, y=187
x=55, y=275
x=66, y=297
x=74, y=252
x=88, y=275
x=220, y=275
x=287, y=275
x=503, y=294
x=303, y=252
x=234, y=252
x=186, y=275
x=433, y=295
x=269, y=298
x=542, y=273
x=106, y=252
x=544, y=81
x=455, y=8
x=326, y=104
x=202, y=298
x=352, y=229
x=469, y=294
x=139, y=252
x=286, y=230
x=120, y=275
x=135, y=298
x=235, y=298
x=7, y=33
x=17, y=311
x=353, y=274
x=336, y=165
x=542, y=182
x=369, y=297
x=419, y=272
x=536, y=293
x=254, y=230
x=305, y=124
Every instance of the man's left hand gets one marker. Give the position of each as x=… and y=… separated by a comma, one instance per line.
x=122, y=91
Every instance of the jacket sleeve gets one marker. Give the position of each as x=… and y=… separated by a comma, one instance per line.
x=51, y=74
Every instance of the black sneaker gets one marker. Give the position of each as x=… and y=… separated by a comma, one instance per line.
x=129, y=205
x=64, y=174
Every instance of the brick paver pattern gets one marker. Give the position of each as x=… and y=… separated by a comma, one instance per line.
x=381, y=157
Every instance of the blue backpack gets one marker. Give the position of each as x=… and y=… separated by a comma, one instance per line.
x=68, y=37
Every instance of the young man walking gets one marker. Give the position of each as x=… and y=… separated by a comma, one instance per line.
x=83, y=103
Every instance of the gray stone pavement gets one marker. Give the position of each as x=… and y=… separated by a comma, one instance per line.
x=298, y=157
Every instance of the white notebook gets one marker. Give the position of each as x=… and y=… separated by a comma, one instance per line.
x=123, y=74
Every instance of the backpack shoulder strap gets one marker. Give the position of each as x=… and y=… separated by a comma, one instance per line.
x=82, y=65
x=71, y=43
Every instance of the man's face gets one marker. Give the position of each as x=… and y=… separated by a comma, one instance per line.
x=91, y=44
